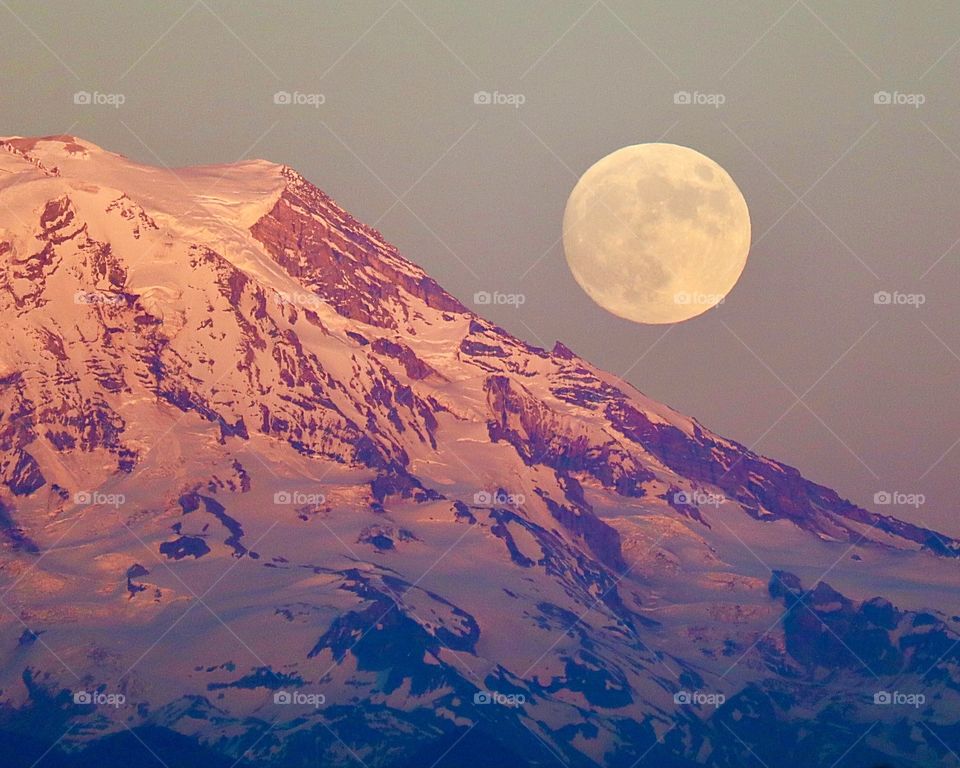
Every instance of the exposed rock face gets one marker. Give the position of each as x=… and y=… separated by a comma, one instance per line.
x=344, y=263
x=25, y=476
x=823, y=628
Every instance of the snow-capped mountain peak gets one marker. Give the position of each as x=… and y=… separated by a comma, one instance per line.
x=219, y=369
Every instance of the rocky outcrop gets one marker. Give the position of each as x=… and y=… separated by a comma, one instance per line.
x=825, y=629
x=345, y=264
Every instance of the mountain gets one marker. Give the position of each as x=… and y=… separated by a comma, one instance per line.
x=271, y=496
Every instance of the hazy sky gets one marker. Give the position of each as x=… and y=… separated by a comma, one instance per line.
x=483, y=186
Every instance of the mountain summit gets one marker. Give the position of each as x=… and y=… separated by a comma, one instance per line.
x=268, y=483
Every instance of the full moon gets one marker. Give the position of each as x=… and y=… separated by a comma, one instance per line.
x=656, y=233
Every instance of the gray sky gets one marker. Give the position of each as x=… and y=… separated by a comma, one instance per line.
x=483, y=186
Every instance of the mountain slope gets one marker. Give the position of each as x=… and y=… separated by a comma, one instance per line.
x=248, y=449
